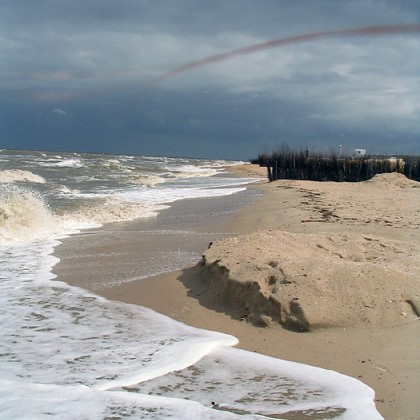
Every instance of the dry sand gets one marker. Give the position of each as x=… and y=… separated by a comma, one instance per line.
x=341, y=261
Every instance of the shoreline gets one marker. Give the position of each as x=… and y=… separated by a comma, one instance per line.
x=385, y=358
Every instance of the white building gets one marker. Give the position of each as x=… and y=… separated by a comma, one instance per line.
x=359, y=152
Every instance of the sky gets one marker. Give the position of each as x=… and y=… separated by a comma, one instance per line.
x=98, y=76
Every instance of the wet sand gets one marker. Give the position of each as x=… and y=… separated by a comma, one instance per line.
x=383, y=356
x=124, y=252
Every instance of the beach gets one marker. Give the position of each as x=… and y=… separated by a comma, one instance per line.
x=375, y=227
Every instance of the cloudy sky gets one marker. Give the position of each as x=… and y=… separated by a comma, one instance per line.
x=94, y=76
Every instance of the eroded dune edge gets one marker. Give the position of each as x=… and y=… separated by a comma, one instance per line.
x=344, y=269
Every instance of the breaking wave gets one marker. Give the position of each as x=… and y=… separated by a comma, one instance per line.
x=23, y=215
x=63, y=163
x=111, y=210
x=16, y=175
x=147, y=180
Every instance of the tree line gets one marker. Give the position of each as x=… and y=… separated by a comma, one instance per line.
x=304, y=165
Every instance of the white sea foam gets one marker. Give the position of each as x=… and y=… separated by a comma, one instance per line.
x=137, y=203
x=191, y=171
x=169, y=195
x=63, y=189
x=111, y=209
x=114, y=161
x=243, y=382
x=23, y=215
x=16, y=175
x=74, y=402
x=63, y=163
x=67, y=352
x=149, y=180
x=63, y=335
x=117, y=165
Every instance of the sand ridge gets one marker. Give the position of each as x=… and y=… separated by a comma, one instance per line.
x=323, y=277
x=303, y=281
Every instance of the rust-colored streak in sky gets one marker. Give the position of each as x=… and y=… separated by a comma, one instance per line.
x=365, y=31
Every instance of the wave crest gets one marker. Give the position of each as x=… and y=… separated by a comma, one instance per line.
x=23, y=216
x=147, y=180
x=16, y=175
x=112, y=210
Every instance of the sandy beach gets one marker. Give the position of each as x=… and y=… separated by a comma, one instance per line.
x=338, y=261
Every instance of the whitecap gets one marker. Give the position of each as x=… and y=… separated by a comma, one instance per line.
x=24, y=215
x=18, y=175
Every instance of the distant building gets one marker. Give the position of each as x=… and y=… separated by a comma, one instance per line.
x=359, y=152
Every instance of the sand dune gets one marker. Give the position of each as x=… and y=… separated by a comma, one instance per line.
x=303, y=281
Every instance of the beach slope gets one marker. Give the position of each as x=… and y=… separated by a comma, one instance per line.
x=337, y=260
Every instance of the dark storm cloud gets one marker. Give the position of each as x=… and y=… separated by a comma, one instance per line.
x=93, y=59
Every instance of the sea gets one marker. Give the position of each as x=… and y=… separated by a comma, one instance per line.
x=68, y=353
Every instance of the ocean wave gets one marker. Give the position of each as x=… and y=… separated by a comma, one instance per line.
x=63, y=163
x=109, y=210
x=24, y=216
x=191, y=171
x=147, y=180
x=64, y=190
x=71, y=163
x=18, y=175
x=84, y=191
x=112, y=164
x=223, y=163
x=200, y=169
